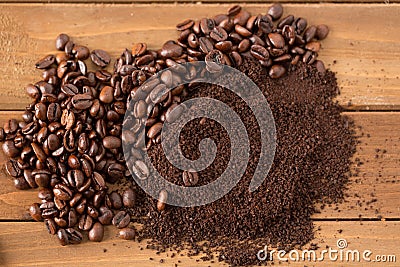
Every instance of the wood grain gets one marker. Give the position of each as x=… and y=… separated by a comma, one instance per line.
x=364, y=41
x=379, y=178
x=29, y=244
x=193, y=1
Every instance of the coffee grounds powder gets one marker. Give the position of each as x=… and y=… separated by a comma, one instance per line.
x=315, y=144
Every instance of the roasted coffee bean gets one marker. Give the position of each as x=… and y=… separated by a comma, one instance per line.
x=82, y=101
x=214, y=61
x=29, y=178
x=140, y=169
x=13, y=169
x=322, y=32
x=241, y=17
x=127, y=233
x=61, y=41
x=218, y=34
x=159, y=94
x=21, y=184
x=224, y=46
x=154, y=130
x=313, y=46
x=69, y=89
x=234, y=10
x=242, y=31
x=244, y=45
x=138, y=49
x=53, y=112
x=277, y=71
x=42, y=177
x=207, y=25
x=190, y=178
x=171, y=50
x=259, y=52
x=39, y=152
x=174, y=112
x=107, y=94
x=286, y=21
x=236, y=58
x=129, y=198
x=264, y=24
x=32, y=91
x=62, y=192
x=85, y=222
x=309, y=34
x=111, y=142
x=121, y=219
x=276, y=40
x=309, y=57
x=206, y=45
x=81, y=52
x=76, y=178
x=184, y=25
x=106, y=216
x=51, y=226
x=116, y=200
x=69, y=46
x=96, y=234
x=162, y=199
x=115, y=172
x=100, y=57
x=320, y=66
x=35, y=212
x=275, y=11
x=69, y=236
x=45, y=62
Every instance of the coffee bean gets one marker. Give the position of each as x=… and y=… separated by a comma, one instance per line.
x=53, y=112
x=115, y=172
x=184, y=25
x=224, y=46
x=140, y=170
x=111, y=142
x=322, y=32
x=39, y=152
x=244, y=45
x=162, y=198
x=69, y=46
x=207, y=25
x=190, y=178
x=275, y=11
x=116, y=200
x=300, y=25
x=309, y=34
x=13, y=169
x=100, y=57
x=320, y=66
x=35, y=212
x=96, y=234
x=129, y=198
x=51, y=226
x=106, y=216
x=82, y=101
x=174, y=112
x=138, y=49
x=206, y=45
x=62, y=192
x=259, y=52
x=121, y=219
x=81, y=52
x=154, y=130
x=69, y=236
x=218, y=34
x=107, y=94
x=313, y=46
x=214, y=61
x=127, y=233
x=277, y=71
x=61, y=41
x=171, y=50
x=45, y=62
x=234, y=10
x=286, y=21
x=276, y=40
x=242, y=31
x=241, y=17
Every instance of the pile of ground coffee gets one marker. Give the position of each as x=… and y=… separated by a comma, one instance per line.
x=315, y=146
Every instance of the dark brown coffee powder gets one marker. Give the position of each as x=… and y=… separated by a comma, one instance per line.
x=315, y=143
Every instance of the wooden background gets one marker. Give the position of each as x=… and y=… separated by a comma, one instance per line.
x=363, y=48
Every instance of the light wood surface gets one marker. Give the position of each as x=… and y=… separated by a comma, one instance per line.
x=363, y=48
x=28, y=244
x=364, y=41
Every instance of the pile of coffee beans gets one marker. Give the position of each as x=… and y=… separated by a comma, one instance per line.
x=69, y=142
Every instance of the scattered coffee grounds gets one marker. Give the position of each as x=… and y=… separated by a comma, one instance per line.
x=315, y=145
x=69, y=142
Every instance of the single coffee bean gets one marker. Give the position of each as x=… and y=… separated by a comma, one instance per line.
x=275, y=11
x=277, y=71
x=62, y=192
x=300, y=25
x=127, y=233
x=107, y=94
x=171, y=50
x=106, y=216
x=162, y=198
x=138, y=49
x=259, y=52
x=313, y=46
x=100, y=58
x=35, y=212
x=286, y=21
x=184, y=25
x=219, y=34
x=121, y=219
x=39, y=152
x=115, y=172
x=116, y=200
x=96, y=234
x=129, y=198
x=207, y=25
x=309, y=34
x=13, y=169
x=51, y=226
x=61, y=41
x=69, y=46
x=276, y=40
x=242, y=31
x=320, y=66
x=154, y=130
x=234, y=10
x=45, y=62
x=32, y=91
x=82, y=101
x=81, y=52
x=322, y=32
x=190, y=178
x=206, y=45
x=241, y=18
x=111, y=142
x=140, y=169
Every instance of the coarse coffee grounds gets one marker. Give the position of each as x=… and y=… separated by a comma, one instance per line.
x=312, y=163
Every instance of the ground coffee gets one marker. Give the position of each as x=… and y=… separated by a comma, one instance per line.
x=315, y=145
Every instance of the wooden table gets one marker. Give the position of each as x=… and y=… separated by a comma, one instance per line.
x=363, y=48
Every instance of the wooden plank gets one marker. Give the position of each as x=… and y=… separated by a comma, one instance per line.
x=379, y=178
x=28, y=244
x=387, y=2
x=365, y=46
